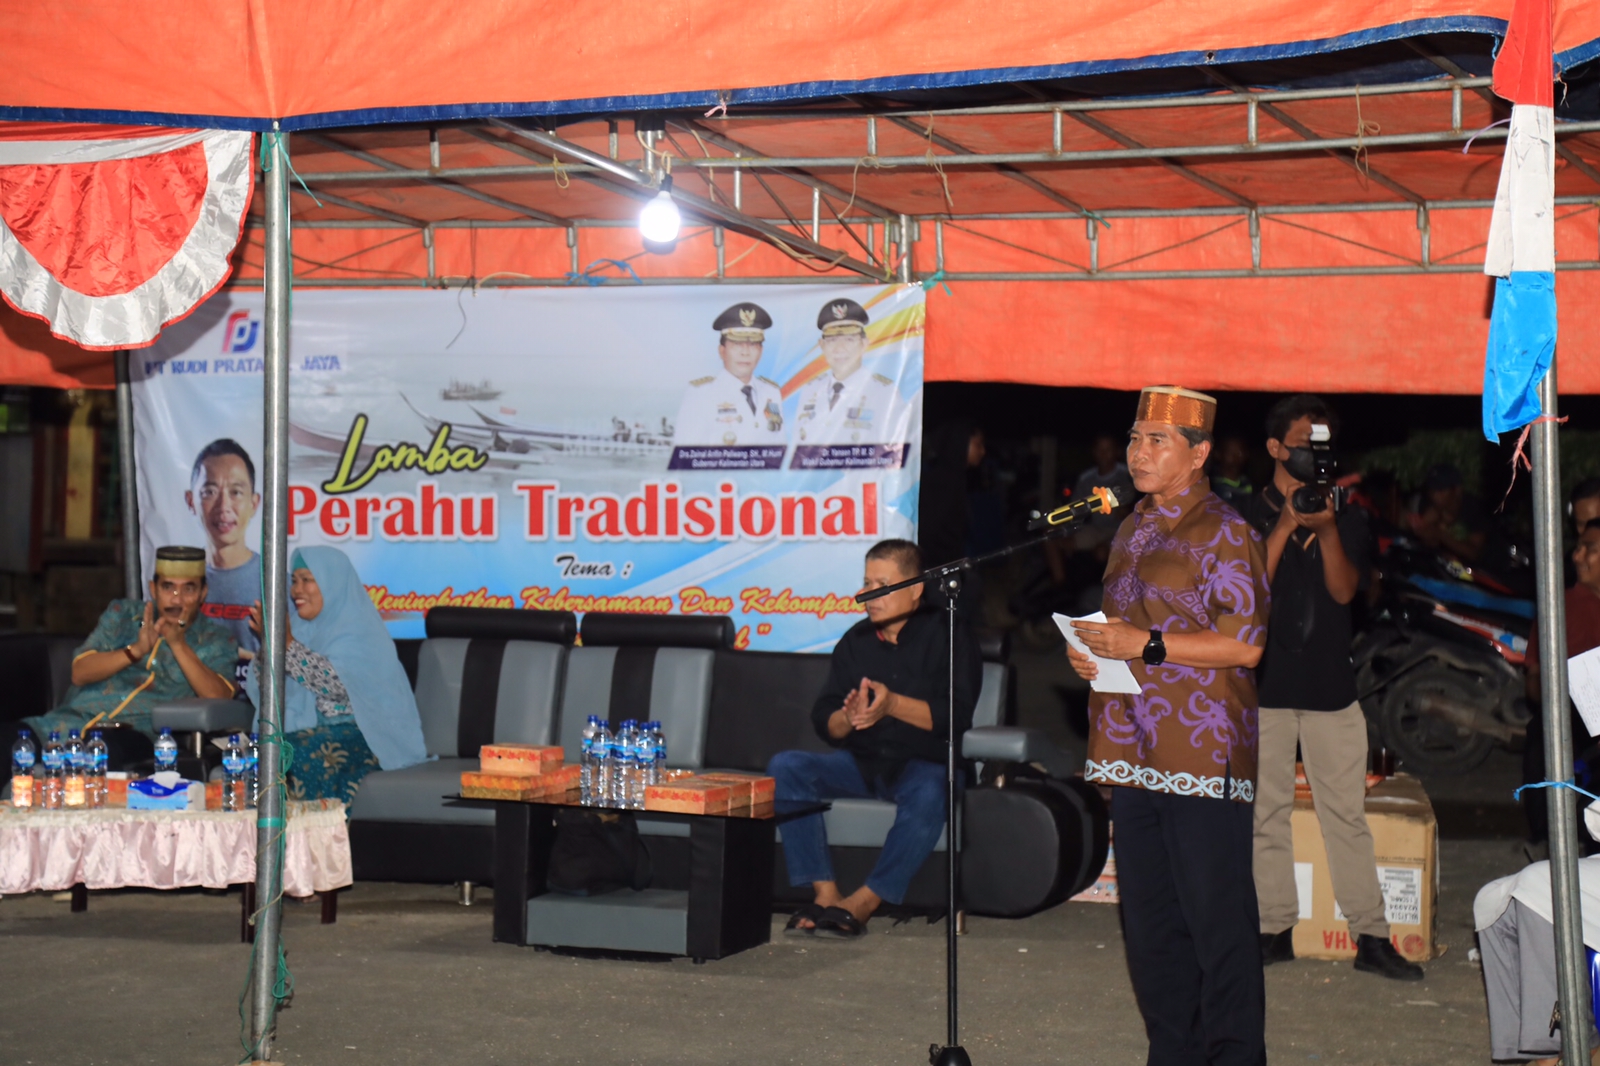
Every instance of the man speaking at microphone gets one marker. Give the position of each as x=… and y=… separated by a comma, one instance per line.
x=1186, y=606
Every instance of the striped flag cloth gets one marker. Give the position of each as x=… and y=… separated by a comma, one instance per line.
x=1521, y=255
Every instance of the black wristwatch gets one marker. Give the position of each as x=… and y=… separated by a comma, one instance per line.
x=1155, y=652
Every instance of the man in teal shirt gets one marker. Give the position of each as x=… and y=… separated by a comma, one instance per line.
x=146, y=653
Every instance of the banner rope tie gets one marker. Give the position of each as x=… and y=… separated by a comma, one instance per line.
x=1521, y=456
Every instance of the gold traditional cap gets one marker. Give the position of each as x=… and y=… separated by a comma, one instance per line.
x=181, y=562
x=1177, y=407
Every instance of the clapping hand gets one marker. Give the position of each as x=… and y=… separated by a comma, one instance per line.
x=147, y=632
x=866, y=705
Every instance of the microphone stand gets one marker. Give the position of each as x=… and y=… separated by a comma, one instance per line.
x=947, y=578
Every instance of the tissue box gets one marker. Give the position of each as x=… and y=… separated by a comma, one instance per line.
x=166, y=791
x=526, y=759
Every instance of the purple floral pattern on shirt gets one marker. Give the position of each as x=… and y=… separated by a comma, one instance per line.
x=1194, y=564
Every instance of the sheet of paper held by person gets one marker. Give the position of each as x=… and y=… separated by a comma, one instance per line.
x=1114, y=674
x=1583, y=683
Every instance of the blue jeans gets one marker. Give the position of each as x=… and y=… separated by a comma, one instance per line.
x=919, y=798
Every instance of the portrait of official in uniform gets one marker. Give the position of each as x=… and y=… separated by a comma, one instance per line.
x=849, y=404
x=735, y=405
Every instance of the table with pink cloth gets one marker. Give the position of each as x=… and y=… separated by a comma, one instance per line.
x=116, y=848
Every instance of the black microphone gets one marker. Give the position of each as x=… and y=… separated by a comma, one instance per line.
x=1101, y=501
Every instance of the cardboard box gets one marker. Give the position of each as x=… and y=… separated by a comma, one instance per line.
x=479, y=785
x=525, y=759
x=1405, y=837
x=693, y=796
x=749, y=790
x=557, y=782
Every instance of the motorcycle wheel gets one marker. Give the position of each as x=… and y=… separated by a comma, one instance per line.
x=1424, y=743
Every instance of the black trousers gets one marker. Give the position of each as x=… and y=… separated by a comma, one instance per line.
x=1190, y=923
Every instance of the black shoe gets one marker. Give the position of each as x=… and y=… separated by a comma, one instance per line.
x=1277, y=947
x=1376, y=955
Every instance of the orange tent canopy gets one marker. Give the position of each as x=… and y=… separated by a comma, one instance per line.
x=245, y=63
x=1266, y=194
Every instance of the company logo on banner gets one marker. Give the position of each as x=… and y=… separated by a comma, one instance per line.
x=595, y=449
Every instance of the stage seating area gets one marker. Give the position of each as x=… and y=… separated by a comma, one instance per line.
x=484, y=675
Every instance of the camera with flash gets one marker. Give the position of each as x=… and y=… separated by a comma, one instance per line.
x=1316, y=467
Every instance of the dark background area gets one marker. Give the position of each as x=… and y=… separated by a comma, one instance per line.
x=1404, y=434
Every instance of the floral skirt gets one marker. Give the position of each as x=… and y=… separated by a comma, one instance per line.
x=329, y=762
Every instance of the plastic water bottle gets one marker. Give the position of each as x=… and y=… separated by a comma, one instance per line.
x=658, y=773
x=600, y=765
x=72, y=766
x=96, y=761
x=586, y=760
x=23, y=756
x=166, y=751
x=53, y=772
x=252, y=773
x=233, y=771
x=622, y=762
x=644, y=760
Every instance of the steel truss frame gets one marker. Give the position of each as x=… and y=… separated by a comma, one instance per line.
x=547, y=155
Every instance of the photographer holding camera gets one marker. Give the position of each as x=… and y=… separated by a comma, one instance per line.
x=1316, y=562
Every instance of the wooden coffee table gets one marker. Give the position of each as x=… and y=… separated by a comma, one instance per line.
x=726, y=908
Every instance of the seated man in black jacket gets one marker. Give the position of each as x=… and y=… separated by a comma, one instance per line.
x=886, y=709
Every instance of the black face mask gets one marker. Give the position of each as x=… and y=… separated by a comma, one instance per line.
x=1300, y=464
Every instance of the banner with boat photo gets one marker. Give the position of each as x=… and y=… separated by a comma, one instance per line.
x=671, y=449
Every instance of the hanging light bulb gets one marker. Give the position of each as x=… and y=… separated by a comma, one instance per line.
x=660, y=220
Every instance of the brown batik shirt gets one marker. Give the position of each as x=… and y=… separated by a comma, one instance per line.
x=1190, y=566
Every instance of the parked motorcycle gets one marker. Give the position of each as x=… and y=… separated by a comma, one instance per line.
x=1439, y=664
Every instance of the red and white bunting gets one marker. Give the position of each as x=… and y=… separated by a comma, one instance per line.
x=111, y=235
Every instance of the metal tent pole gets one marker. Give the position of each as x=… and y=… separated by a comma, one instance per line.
x=1570, y=969
x=274, y=593
x=132, y=572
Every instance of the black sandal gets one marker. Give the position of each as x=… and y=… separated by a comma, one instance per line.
x=836, y=923
x=810, y=911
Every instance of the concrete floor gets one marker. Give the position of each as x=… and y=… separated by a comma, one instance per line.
x=408, y=976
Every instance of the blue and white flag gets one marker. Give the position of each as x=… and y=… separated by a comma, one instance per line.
x=1521, y=254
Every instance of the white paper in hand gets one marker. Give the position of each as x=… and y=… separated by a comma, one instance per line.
x=1114, y=674
x=1583, y=683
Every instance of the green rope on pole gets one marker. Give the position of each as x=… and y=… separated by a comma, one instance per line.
x=283, y=983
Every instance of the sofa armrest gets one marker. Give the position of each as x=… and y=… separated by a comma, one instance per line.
x=1005, y=743
x=203, y=715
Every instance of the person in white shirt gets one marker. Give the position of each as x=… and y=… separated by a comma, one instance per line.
x=1513, y=916
x=848, y=404
x=735, y=405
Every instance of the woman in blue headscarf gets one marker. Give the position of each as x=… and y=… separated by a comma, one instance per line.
x=348, y=708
